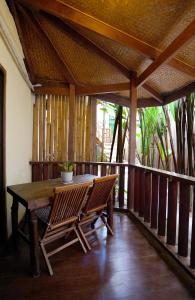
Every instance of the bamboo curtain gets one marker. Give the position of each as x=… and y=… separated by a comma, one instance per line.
x=51, y=128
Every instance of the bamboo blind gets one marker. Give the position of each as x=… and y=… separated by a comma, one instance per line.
x=51, y=128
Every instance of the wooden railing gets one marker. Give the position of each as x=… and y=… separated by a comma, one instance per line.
x=162, y=201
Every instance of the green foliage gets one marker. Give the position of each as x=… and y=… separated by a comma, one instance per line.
x=67, y=166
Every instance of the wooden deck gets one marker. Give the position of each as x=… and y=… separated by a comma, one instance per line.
x=125, y=266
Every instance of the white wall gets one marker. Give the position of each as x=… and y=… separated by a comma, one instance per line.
x=19, y=106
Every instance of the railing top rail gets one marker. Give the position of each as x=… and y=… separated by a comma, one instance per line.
x=168, y=174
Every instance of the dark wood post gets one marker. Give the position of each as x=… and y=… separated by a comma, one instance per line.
x=172, y=212
x=132, y=118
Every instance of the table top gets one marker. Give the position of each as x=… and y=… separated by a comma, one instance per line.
x=36, y=194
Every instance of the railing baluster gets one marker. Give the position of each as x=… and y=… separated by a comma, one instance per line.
x=87, y=168
x=184, y=208
x=162, y=206
x=142, y=193
x=56, y=171
x=148, y=197
x=121, y=186
x=155, y=198
x=79, y=169
x=192, y=254
x=130, y=187
x=136, y=190
x=172, y=212
x=103, y=170
x=37, y=172
x=95, y=169
x=45, y=171
x=113, y=171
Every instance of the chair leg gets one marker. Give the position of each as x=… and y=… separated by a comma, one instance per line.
x=46, y=259
x=80, y=240
x=106, y=224
x=83, y=237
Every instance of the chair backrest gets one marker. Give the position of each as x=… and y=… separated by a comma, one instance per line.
x=67, y=203
x=100, y=193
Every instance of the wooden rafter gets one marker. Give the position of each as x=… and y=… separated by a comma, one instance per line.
x=123, y=101
x=67, y=72
x=182, y=92
x=153, y=93
x=27, y=60
x=166, y=55
x=99, y=89
x=67, y=12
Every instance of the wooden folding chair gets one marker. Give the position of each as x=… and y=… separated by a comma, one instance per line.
x=95, y=206
x=63, y=216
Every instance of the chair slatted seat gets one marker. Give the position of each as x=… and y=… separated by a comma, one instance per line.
x=64, y=213
x=95, y=206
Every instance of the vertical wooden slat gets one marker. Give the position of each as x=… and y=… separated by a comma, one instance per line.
x=162, y=206
x=35, y=130
x=121, y=186
x=56, y=129
x=137, y=189
x=55, y=170
x=44, y=126
x=63, y=130
x=184, y=208
x=52, y=128
x=93, y=129
x=155, y=199
x=71, y=134
x=172, y=213
x=88, y=141
x=59, y=145
x=48, y=130
x=66, y=114
x=41, y=128
x=142, y=193
x=148, y=197
x=192, y=254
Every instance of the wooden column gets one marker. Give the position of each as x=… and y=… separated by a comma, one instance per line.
x=132, y=119
x=71, y=131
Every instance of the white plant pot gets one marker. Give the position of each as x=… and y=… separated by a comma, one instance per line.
x=66, y=176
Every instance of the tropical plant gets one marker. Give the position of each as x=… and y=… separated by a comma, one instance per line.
x=66, y=166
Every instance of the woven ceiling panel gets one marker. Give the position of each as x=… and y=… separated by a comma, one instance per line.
x=87, y=67
x=149, y=21
x=41, y=59
x=128, y=57
x=167, y=79
x=187, y=53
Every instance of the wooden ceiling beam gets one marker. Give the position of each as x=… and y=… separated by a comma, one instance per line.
x=166, y=55
x=99, y=89
x=69, y=13
x=182, y=92
x=123, y=101
x=153, y=93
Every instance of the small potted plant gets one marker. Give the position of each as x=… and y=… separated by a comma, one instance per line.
x=67, y=171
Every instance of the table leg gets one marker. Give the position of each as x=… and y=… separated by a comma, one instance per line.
x=34, y=243
x=14, y=217
x=110, y=212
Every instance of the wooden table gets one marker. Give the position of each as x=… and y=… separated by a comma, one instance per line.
x=36, y=195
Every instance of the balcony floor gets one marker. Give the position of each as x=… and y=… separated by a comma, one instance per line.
x=125, y=266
